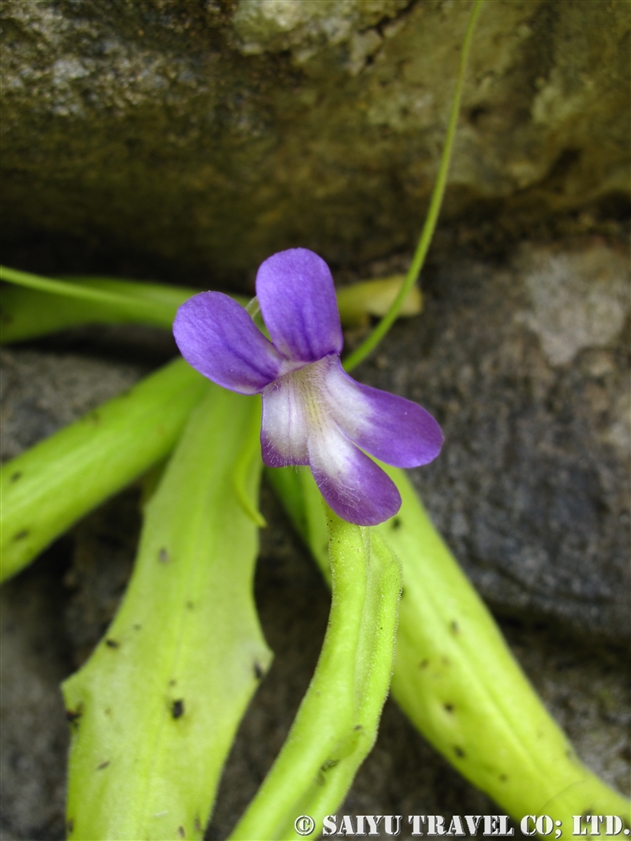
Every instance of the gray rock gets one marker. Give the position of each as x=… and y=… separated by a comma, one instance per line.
x=33, y=661
x=212, y=134
x=527, y=368
x=42, y=392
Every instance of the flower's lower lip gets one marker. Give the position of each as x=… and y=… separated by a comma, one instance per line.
x=295, y=409
x=317, y=415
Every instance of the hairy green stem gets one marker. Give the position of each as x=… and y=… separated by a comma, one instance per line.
x=337, y=722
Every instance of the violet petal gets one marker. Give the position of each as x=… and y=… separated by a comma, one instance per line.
x=390, y=428
x=353, y=485
x=219, y=339
x=297, y=297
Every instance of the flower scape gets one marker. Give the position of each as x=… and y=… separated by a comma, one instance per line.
x=314, y=413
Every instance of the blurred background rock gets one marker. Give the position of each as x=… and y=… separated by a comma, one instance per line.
x=206, y=135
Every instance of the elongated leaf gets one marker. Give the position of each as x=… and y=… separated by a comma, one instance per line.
x=155, y=709
x=49, y=487
x=337, y=722
x=456, y=679
x=34, y=306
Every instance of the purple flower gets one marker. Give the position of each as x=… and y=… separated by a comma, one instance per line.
x=313, y=412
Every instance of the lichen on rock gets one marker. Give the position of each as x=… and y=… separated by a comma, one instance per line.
x=305, y=27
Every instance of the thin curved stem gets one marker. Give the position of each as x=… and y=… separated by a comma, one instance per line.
x=432, y=215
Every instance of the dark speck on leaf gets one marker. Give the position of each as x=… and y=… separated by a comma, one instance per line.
x=190, y=605
x=69, y=826
x=163, y=556
x=449, y=708
x=110, y=643
x=177, y=708
x=455, y=627
x=137, y=627
x=21, y=534
x=73, y=716
x=328, y=764
x=172, y=682
x=258, y=670
x=181, y=832
x=423, y=664
x=396, y=523
x=197, y=824
x=587, y=813
x=503, y=778
x=103, y=765
x=15, y=476
x=459, y=752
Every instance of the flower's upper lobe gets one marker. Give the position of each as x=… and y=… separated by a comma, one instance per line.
x=313, y=412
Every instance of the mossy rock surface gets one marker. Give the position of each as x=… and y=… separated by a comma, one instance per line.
x=213, y=134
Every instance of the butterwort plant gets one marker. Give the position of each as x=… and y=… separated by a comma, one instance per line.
x=314, y=413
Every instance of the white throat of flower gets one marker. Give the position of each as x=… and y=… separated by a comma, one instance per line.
x=300, y=409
